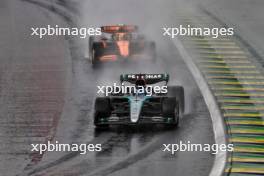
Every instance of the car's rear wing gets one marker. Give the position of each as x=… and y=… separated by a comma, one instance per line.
x=119, y=29
x=149, y=78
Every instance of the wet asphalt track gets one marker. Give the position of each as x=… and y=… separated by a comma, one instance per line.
x=129, y=151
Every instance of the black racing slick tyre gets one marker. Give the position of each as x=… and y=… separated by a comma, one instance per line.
x=93, y=58
x=170, y=109
x=90, y=47
x=178, y=93
x=102, y=110
x=93, y=47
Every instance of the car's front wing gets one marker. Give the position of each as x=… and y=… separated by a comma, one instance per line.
x=142, y=120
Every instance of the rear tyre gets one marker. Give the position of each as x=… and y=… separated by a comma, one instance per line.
x=90, y=47
x=102, y=110
x=178, y=93
x=170, y=110
x=94, y=59
x=94, y=49
x=91, y=41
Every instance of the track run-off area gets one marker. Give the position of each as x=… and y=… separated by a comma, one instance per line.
x=235, y=78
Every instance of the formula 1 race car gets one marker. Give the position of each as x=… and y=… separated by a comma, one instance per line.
x=123, y=42
x=135, y=107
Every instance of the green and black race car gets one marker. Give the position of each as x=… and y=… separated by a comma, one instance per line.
x=137, y=107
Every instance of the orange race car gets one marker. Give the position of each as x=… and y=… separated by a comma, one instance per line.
x=123, y=42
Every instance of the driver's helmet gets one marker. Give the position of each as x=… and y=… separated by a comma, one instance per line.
x=140, y=83
x=121, y=36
